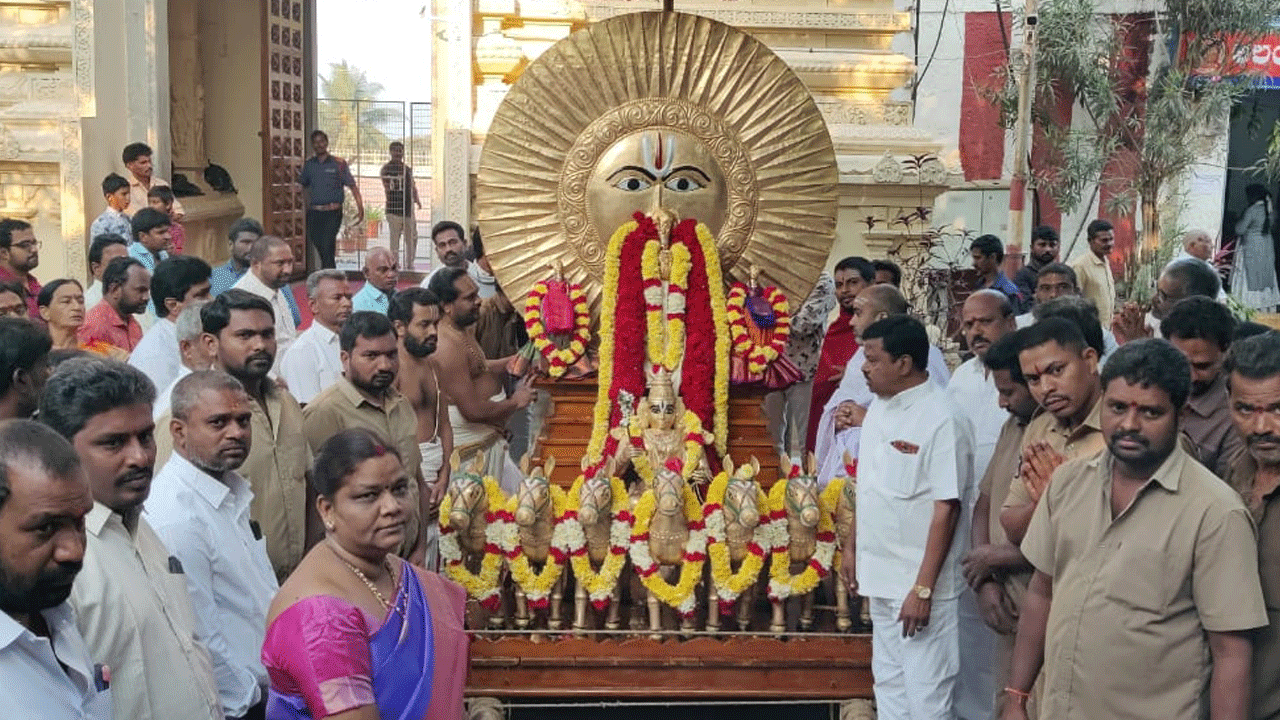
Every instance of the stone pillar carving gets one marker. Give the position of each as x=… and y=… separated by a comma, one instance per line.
x=451, y=116
x=145, y=22
x=186, y=86
x=71, y=186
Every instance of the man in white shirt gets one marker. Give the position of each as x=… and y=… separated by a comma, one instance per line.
x=131, y=600
x=43, y=657
x=270, y=265
x=840, y=425
x=986, y=317
x=199, y=506
x=312, y=362
x=177, y=281
x=194, y=353
x=102, y=250
x=904, y=556
x=450, y=241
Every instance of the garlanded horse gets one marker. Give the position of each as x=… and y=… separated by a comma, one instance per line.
x=604, y=513
x=467, y=552
x=737, y=542
x=537, y=519
x=843, y=505
x=804, y=545
x=669, y=539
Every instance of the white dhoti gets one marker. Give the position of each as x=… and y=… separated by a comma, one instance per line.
x=470, y=438
x=432, y=460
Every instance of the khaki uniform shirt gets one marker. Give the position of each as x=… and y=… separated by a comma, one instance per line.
x=277, y=472
x=995, y=485
x=1208, y=424
x=1134, y=596
x=1085, y=440
x=340, y=407
x=138, y=195
x=134, y=612
x=1266, y=643
x=1097, y=284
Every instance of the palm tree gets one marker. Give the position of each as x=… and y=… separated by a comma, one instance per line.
x=350, y=113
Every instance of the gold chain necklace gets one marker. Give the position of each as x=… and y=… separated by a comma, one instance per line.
x=369, y=583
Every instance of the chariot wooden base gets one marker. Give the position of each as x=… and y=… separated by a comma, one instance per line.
x=822, y=665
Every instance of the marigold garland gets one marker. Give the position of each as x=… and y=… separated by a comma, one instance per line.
x=757, y=357
x=605, y=409
x=600, y=584
x=720, y=325
x=680, y=596
x=729, y=585
x=566, y=539
x=782, y=582
x=483, y=586
x=559, y=359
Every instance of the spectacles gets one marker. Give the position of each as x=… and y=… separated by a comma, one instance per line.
x=28, y=245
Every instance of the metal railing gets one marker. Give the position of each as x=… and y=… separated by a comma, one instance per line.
x=361, y=130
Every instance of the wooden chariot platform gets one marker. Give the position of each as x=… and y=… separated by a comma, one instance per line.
x=823, y=665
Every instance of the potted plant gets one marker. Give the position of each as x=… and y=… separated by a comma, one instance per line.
x=373, y=220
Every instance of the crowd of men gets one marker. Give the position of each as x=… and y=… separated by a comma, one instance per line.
x=1075, y=523
x=157, y=429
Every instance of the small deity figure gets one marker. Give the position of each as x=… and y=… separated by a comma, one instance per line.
x=569, y=338
x=766, y=331
x=658, y=432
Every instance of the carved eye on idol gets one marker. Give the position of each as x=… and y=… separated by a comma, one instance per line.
x=652, y=169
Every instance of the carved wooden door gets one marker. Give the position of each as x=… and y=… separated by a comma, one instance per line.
x=283, y=141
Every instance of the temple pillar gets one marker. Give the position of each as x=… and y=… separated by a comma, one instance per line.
x=451, y=115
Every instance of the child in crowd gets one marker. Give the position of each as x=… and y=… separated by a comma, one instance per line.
x=160, y=197
x=113, y=221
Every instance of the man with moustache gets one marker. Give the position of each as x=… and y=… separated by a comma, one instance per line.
x=1044, y=250
x=381, y=272
x=415, y=313
x=479, y=407
x=44, y=499
x=19, y=255
x=313, y=362
x=914, y=477
x=841, y=419
x=1093, y=268
x=1061, y=371
x=1201, y=328
x=851, y=274
x=995, y=567
x=450, y=242
x=986, y=317
x=270, y=266
x=1253, y=369
x=131, y=599
x=199, y=506
x=126, y=290
x=239, y=333
x=366, y=397
x=1146, y=585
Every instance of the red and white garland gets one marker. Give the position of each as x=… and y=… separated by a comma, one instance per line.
x=483, y=586
x=559, y=359
x=782, y=582
x=681, y=595
x=566, y=539
x=729, y=585
x=757, y=357
x=600, y=585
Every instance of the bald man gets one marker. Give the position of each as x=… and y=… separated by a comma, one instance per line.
x=381, y=272
x=840, y=424
x=1198, y=245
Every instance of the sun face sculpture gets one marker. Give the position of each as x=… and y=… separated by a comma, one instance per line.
x=657, y=110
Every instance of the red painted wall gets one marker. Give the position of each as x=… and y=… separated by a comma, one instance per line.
x=981, y=134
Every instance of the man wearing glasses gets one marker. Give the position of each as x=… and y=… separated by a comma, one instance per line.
x=19, y=255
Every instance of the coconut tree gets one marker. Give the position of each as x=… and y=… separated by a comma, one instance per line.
x=351, y=113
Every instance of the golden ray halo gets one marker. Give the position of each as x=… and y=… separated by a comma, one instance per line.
x=657, y=70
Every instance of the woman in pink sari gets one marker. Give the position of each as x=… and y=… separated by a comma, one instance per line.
x=355, y=632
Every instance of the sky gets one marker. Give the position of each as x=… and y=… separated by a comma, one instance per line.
x=388, y=39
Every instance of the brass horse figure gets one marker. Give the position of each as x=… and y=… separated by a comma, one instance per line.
x=845, y=521
x=535, y=519
x=742, y=513
x=803, y=512
x=668, y=535
x=595, y=514
x=468, y=516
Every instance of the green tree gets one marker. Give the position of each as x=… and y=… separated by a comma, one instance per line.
x=350, y=112
x=1149, y=127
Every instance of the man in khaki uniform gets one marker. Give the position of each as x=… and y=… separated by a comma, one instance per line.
x=1253, y=366
x=1094, y=271
x=239, y=333
x=366, y=397
x=1146, y=585
x=1061, y=370
x=995, y=567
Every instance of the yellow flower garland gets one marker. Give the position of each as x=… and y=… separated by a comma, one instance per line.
x=782, y=582
x=665, y=341
x=601, y=584
x=560, y=359
x=715, y=280
x=757, y=357
x=729, y=584
x=681, y=595
x=608, y=313
x=537, y=586
x=483, y=585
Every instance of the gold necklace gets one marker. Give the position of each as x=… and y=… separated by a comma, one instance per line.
x=365, y=578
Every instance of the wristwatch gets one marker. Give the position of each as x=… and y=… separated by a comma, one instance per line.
x=922, y=592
